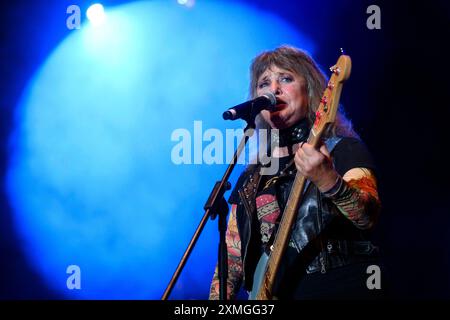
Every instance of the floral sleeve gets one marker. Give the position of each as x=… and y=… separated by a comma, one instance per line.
x=357, y=198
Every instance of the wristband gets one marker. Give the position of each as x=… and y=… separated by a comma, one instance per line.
x=331, y=193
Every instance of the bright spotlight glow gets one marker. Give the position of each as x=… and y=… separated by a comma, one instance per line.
x=187, y=3
x=96, y=14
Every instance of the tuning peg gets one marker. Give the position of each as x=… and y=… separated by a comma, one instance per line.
x=335, y=70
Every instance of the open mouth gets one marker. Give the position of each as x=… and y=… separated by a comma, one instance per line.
x=280, y=105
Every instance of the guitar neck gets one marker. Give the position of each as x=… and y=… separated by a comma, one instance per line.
x=284, y=230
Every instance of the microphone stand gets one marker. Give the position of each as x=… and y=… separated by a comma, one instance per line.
x=216, y=205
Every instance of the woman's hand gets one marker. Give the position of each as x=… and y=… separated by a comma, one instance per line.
x=316, y=165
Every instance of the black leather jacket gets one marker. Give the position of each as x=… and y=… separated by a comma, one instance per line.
x=322, y=235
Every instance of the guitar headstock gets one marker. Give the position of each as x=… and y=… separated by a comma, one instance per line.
x=326, y=112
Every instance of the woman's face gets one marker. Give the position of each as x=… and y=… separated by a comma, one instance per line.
x=290, y=91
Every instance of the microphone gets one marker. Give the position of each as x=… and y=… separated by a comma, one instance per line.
x=246, y=109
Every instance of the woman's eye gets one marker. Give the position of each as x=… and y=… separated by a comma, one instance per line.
x=287, y=79
x=262, y=84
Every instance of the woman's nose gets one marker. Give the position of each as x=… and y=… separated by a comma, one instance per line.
x=275, y=88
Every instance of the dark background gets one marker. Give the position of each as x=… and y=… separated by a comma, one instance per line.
x=397, y=98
